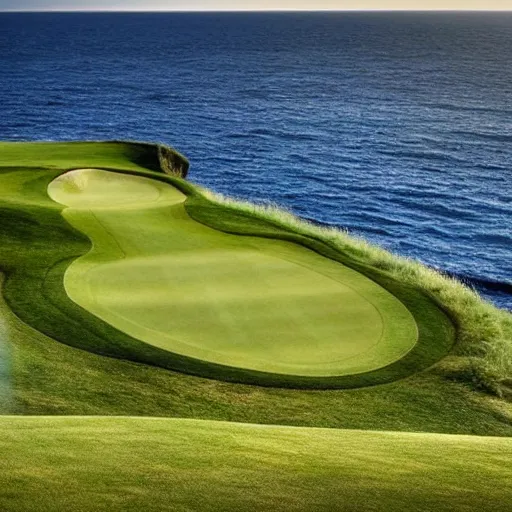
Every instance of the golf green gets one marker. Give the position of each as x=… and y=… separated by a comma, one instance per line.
x=247, y=302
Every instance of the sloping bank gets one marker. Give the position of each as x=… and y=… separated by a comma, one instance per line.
x=59, y=463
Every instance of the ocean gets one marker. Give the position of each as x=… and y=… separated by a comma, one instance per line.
x=395, y=126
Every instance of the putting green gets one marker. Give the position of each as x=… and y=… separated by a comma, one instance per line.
x=246, y=302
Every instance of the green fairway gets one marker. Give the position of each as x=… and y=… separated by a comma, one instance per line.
x=247, y=302
x=130, y=464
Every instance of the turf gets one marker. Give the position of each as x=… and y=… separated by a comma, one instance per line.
x=265, y=305
x=165, y=464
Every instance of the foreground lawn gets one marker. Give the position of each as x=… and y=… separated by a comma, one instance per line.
x=96, y=464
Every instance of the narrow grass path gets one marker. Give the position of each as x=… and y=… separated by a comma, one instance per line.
x=5, y=364
x=57, y=463
x=266, y=305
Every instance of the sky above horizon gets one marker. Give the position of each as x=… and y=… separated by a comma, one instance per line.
x=222, y=5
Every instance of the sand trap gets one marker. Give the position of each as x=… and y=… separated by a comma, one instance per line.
x=95, y=188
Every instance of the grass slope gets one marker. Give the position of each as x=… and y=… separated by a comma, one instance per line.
x=180, y=465
x=264, y=304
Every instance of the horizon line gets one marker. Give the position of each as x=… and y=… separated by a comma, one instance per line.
x=243, y=10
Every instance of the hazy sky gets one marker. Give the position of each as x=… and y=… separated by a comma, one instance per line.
x=192, y=5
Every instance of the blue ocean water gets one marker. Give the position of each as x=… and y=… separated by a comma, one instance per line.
x=397, y=126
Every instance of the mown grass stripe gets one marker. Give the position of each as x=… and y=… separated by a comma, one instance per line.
x=171, y=464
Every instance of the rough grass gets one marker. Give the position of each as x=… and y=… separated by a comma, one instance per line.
x=181, y=465
x=484, y=331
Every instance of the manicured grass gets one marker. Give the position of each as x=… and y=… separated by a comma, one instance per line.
x=43, y=376
x=263, y=304
x=166, y=464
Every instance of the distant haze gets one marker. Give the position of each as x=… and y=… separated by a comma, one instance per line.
x=234, y=5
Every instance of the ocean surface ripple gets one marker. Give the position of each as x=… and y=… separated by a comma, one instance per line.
x=396, y=126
